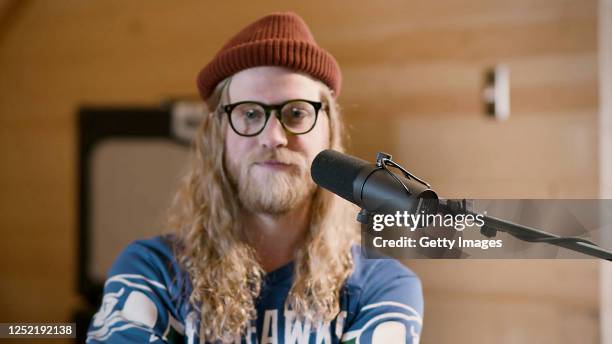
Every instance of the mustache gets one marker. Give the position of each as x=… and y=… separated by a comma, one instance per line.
x=281, y=155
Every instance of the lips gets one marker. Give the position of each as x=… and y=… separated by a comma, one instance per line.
x=273, y=164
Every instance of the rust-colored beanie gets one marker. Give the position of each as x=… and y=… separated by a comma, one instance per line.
x=279, y=39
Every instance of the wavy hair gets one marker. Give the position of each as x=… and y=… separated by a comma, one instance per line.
x=222, y=268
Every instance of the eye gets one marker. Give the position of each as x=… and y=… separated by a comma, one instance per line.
x=252, y=114
x=249, y=112
x=297, y=110
x=297, y=113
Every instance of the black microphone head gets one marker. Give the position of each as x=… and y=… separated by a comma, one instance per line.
x=336, y=172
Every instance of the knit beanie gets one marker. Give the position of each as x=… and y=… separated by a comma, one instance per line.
x=279, y=39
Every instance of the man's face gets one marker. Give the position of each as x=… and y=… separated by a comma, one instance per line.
x=272, y=170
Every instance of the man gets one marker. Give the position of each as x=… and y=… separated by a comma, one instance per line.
x=260, y=253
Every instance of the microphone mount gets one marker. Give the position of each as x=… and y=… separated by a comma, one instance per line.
x=383, y=160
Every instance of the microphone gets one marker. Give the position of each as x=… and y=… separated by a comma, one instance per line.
x=373, y=187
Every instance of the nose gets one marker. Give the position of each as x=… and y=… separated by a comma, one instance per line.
x=273, y=135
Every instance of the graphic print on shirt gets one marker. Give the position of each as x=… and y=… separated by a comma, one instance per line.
x=386, y=322
x=391, y=322
x=128, y=305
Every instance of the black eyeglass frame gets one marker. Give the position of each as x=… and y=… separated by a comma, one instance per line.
x=268, y=111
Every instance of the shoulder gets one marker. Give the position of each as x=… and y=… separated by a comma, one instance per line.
x=158, y=247
x=376, y=275
x=151, y=258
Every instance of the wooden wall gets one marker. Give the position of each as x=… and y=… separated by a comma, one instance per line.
x=413, y=72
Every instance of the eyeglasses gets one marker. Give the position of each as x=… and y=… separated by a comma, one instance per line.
x=249, y=118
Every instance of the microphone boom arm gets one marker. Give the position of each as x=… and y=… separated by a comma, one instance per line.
x=492, y=225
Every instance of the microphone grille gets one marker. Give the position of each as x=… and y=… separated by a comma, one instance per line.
x=336, y=172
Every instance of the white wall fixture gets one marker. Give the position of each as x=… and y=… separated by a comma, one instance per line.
x=496, y=93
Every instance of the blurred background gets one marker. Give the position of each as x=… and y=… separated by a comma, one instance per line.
x=414, y=74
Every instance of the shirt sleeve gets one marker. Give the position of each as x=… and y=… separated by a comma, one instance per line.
x=390, y=309
x=136, y=306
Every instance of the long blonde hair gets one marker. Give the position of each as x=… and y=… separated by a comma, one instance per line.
x=223, y=269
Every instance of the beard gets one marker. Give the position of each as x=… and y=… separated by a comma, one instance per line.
x=271, y=190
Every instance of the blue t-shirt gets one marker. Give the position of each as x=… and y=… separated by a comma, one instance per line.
x=381, y=302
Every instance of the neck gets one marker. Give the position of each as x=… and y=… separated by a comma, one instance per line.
x=276, y=238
